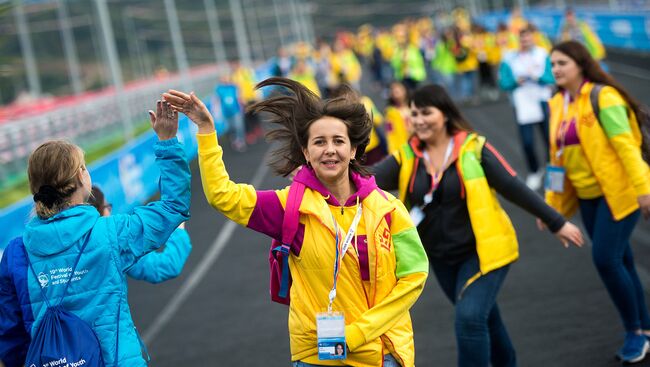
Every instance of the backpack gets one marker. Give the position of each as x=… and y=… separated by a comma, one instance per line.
x=61, y=337
x=643, y=119
x=280, y=281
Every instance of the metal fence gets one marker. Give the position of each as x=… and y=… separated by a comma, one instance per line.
x=92, y=121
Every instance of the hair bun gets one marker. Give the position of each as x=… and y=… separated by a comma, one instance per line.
x=47, y=195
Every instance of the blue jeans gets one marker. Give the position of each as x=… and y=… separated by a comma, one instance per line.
x=466, y=84
x=614, y=261
x=480, y=333
x=389, y=361
x=238, y=129
x=527, y=134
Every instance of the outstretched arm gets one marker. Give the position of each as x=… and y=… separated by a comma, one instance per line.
x=157, y=267
x=150, y=225
x=260, y=211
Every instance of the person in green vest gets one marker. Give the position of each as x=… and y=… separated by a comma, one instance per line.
x=407, y=62
x=444, y=62
x=448, y=176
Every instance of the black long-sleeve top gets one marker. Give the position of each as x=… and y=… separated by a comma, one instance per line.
x=446, y=230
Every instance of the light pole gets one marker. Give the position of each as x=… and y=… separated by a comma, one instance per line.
x=69, y=47
x=27, y=49
x=243, y=48
x=177, y=43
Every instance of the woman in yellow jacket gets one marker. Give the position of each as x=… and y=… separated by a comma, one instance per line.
x=382, y=273
x=448, y=176
x=597, y=165
x=397, y=116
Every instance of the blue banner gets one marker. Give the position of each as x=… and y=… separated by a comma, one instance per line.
x=615, y=29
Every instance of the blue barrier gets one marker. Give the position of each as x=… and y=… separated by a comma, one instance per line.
x=615, y=29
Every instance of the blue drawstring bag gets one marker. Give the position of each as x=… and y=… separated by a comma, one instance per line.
x=62, y=339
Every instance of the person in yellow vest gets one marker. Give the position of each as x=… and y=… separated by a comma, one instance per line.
x=573, y=28
x=244, y=78
x=506, y=40
x=448, y=176
x=305, y=76
x=466, y=64
x=485, y=46
x=517, y=21
x=370, y=277
x=345, y=64
x=597, y=166
x=397, y=117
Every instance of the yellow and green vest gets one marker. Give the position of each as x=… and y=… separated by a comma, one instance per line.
x=496, y=241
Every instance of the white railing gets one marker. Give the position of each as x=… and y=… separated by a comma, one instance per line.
x=90, y=121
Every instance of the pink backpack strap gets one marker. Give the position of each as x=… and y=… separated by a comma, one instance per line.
x=290, y=224
x=291, y=219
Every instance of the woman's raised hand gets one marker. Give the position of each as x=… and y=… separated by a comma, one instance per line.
x=192, y=107
x=164, y=121
x=570, y=233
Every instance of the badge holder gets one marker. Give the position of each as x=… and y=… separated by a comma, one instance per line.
x=555, y=178
x=330, y=328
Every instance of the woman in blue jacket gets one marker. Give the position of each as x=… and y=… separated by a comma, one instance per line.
x=52, y=241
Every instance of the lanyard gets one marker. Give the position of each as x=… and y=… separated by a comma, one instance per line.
x=436, y=177
x=564, y=127
x=341, y=249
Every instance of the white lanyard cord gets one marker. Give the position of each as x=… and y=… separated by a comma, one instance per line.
x=338, y=262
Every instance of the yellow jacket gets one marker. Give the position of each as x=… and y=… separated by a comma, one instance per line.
x=396, y=128
x=611, y=145
x=382, y=274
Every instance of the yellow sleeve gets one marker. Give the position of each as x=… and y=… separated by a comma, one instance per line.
x=235, y=201
x=624, y=135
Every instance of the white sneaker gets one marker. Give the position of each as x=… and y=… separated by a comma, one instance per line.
x=534, y=180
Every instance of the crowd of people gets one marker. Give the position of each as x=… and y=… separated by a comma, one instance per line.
x=362, y=256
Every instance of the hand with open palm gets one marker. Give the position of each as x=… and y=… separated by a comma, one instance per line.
x=192, y=107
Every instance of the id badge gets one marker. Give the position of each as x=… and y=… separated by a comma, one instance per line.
x=555, y=178
x=330, y=328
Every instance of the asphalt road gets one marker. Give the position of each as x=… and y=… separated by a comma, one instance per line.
x=218, y=312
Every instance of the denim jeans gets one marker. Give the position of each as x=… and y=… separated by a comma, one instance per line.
x=466, y=84
x=389, y=361
x=237, y=127
x=614, y=261
x=480, y=333
x=527, y=134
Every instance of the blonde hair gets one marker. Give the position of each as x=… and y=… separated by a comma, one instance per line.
x=53, y=175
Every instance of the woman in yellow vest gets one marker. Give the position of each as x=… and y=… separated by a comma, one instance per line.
x=597, y=166
x=373, y=274
x=448, y=177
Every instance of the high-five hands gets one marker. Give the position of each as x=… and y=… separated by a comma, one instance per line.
x=164, y=121
x=192, y=107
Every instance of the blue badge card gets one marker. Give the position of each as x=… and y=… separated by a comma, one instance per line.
x=555, y=178
x=330, y=327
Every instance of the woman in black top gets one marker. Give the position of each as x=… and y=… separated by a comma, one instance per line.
x=468, y=237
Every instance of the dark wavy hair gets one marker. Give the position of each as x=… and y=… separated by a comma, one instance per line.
x=592, y=71
x=434, y=95
x=294, y=114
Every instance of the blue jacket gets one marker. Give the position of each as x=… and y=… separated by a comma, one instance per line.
x=157, y=267
x=97, y=293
